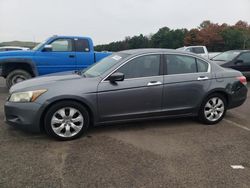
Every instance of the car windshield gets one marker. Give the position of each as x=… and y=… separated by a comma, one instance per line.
x=103, y=65
x=226, y=56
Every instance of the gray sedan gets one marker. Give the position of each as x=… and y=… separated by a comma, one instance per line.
x=126, y=86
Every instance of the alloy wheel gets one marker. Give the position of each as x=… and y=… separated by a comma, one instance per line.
x=67, y=122
x=214, y=109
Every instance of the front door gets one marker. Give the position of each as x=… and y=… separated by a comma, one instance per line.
x=61, y=58
x=139, y=95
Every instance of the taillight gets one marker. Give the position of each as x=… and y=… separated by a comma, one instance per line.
x=242, y=79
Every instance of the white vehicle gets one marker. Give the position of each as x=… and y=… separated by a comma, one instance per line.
x=200, y=50
x=12, y=48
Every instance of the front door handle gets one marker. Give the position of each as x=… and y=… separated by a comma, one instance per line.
x=71, y=56
x=154, y=83
x=200, y=78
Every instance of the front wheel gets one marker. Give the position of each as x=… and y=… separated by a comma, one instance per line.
x=213, y=109
x=66, y=120
x=16, y=76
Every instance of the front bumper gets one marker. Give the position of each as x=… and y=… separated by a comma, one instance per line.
x=23, y=115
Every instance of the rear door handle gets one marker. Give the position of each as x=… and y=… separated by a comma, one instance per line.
x=200, y=78
x=71, y=56
x=154, y=83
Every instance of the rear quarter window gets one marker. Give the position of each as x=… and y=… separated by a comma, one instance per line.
x=82, y=45
x=202, y=66
x=198, y=50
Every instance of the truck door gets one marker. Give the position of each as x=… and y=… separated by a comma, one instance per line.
x=84, y=53
x=60, y=58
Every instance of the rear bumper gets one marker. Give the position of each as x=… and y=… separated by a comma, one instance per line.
x=23, y=115
x=238, y=97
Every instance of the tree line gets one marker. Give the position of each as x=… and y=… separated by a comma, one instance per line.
x=216, y=37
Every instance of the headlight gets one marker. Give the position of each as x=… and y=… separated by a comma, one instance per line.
x=27, y=96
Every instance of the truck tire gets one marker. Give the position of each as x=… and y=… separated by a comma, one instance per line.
x=16, y=76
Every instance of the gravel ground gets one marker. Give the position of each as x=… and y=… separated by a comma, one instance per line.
x=166, y=153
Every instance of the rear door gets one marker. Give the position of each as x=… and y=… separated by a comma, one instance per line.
x=186, y=81
x=61, y=58
x=139, y=95
x=84, y=55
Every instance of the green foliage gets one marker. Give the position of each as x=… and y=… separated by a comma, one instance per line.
x=214, y=36
x=233, y=38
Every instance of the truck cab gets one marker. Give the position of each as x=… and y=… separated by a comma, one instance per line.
x=56, y=54
x=200, y=50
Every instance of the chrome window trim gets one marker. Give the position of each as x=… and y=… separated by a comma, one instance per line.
x=160, y=53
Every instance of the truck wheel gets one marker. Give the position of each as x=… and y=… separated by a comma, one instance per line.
x=16, y=76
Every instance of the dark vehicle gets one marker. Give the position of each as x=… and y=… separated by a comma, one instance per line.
x=128, y=85
x=235, y=59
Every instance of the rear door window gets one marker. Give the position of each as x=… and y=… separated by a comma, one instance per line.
x=179, y=64
x=182, y=64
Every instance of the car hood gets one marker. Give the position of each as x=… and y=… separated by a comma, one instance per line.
x=17, y=53
x=45, y=80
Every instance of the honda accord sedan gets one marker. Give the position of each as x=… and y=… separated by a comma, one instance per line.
x=126, y=86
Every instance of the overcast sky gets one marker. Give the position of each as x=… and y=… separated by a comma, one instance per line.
x=111, y=20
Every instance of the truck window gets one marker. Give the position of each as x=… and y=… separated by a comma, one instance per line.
x=198, y=50
x=82, y=45
x=62, y=45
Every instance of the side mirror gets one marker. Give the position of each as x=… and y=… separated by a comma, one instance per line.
x=239, y=62
x=116, y=77
x=47, y=48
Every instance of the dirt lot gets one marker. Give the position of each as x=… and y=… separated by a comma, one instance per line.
x=166, y=153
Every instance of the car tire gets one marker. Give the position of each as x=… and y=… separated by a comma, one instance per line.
x=213, y=109
x=16, y=76
x=66, y=120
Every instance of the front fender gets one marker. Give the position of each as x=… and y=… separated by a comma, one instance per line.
x=6, y=62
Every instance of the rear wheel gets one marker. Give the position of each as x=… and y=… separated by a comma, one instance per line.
x=66, y=120
x=17, y=76
x=213, y=109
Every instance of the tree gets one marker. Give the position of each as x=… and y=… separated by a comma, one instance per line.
x=214, y=36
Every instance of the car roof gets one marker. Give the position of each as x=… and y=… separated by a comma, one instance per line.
x=154, y=50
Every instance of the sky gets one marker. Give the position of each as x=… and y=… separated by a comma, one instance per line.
x=111, y=20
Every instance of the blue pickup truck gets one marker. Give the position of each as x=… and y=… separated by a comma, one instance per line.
x=56, y=54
